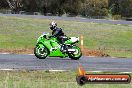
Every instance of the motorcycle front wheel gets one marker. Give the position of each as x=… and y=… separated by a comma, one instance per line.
x=75, y=55
x=41, y=52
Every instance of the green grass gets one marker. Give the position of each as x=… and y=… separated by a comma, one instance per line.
x=43, y=79
x=22, y=33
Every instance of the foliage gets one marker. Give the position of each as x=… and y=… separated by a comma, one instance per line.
x=95, y=8
x=121, y=7
x=126, y=8
x=71, y=7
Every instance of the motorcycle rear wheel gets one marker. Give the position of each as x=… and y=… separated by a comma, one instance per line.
x=41, y=52
x=75, y=55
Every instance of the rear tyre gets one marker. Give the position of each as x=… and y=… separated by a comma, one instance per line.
x=75, y=55
x=41, y=52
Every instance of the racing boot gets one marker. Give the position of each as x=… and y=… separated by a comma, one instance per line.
x=63, y=48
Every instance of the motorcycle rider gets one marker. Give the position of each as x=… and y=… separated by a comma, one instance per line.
x=59, y=34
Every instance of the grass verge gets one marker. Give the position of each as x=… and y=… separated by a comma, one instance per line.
x=45, y=79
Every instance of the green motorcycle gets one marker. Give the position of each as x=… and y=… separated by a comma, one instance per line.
x=53, y=48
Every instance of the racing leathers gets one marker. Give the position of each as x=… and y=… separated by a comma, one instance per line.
x=59, y=34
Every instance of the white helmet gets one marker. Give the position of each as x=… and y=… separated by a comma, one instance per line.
x=53, y=24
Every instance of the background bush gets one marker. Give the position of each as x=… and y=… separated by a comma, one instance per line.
x=71, y=7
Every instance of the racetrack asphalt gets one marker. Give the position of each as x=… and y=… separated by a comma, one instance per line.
x=30, y=62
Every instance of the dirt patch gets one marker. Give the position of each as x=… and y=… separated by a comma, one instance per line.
x=98, y=53
x=86, y=52
x=17, y=51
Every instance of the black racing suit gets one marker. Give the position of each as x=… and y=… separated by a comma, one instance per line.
x=57, y=32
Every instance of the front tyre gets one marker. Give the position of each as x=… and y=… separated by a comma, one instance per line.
x=75, y=55
x=41, y=52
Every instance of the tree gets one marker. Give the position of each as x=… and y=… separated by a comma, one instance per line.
x=95, y=8
x=30, y=5
x=15, y=5
x=121, y=7
x=3, y=4
x=73, y=7
x=126, y=8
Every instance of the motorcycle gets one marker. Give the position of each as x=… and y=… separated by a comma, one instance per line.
x=52, y=47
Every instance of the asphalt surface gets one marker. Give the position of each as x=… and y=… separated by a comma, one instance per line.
x=80, y=19
x=30, y=62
